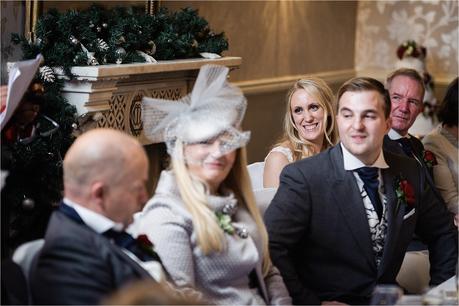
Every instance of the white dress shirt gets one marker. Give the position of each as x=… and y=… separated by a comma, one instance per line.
x=394, y=135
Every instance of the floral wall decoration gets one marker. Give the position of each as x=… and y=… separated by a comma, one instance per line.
x=384, y=25
x=12, y=20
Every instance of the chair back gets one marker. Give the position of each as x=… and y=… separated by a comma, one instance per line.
x=25, y=254
x=256, y=174
x=263, y=198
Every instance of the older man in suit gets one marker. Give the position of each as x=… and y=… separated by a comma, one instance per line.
x=340, y=221
x=87, y=254
x=406, y=91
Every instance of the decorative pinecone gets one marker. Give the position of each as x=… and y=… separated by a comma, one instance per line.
x=101, y=44
x=47, y=74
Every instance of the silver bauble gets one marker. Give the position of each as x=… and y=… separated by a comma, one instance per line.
x=73, y=40
x=120, y=54
x=28, y=203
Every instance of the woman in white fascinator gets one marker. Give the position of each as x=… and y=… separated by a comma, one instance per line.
x=202, y=219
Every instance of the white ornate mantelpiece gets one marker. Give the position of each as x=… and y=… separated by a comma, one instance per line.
x=116, y=90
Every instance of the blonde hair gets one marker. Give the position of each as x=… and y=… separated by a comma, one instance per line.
x=210, y=236
x=318, y=89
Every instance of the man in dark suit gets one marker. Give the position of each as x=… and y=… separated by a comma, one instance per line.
x=340, y=221
x=406, y=91
x=87, y=254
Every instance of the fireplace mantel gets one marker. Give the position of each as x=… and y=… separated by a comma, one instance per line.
x=113, y=94
x=115, y=91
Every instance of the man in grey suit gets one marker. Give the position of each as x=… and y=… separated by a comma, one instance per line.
x=86, y=254
x=340, y=221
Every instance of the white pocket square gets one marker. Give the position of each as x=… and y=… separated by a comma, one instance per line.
x=409, y=214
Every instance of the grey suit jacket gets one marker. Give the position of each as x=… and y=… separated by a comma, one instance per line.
x=79, y=266
x=319, y=233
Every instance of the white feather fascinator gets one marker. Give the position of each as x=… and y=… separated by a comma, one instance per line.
x=213, y=108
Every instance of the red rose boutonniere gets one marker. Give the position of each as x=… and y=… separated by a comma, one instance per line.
x=145, y=244
x=429, y=158
x=405, y=193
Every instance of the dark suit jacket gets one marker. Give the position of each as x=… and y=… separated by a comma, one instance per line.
x=418, y=150
x=79, y=266
x=319, y=235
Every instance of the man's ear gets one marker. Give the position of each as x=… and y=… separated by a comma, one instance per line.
x=98, y=194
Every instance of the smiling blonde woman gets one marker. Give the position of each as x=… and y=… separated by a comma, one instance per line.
x=309, y=127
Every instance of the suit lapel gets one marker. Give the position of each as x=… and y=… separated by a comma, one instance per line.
x=347, y=197
x=394, y=218
x=417, y=152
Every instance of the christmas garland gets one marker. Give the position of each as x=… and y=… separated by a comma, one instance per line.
x=121, y=35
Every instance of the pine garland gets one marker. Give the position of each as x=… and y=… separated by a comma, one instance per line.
x=116, y=35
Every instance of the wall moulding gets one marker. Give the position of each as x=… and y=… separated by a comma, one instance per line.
x=259, y=86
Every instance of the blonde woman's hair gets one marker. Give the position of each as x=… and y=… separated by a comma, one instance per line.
x=210, y=237
x=318, y=89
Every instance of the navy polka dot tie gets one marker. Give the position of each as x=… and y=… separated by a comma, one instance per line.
x=369, y=176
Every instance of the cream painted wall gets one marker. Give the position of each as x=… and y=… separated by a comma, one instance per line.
x=282, y=38
x=279, y=40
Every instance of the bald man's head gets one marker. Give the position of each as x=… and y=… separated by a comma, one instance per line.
x=106, y=170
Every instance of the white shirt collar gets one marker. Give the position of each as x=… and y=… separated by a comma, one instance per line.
x=394, y=135
x=352, y=163
x=95, y=221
